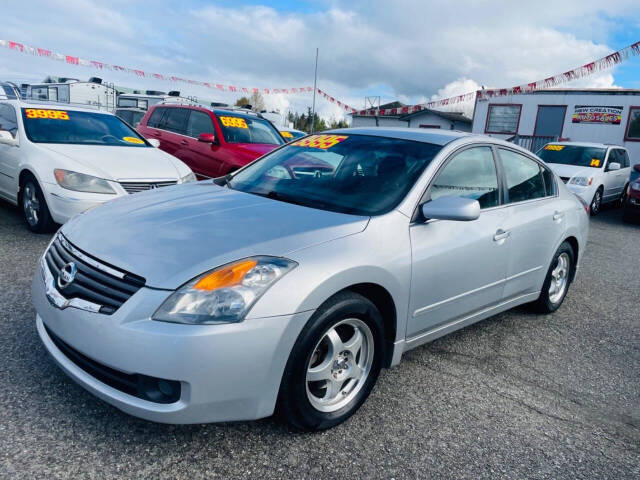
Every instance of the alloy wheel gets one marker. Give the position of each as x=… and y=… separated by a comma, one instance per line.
x=596, y=202
x=339, y=365
x=559, y=278
x=31, y=204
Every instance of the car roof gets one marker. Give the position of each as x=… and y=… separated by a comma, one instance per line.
x=588, y=144
x=75, y=107
x=427, y=135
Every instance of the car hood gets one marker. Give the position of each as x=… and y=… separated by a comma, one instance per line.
x=120, y=163
x=569, y=171
x=253, y=150
x=174, y=234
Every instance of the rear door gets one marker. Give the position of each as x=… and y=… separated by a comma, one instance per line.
x=535, y=221
x=152, y=127
x=174, y=126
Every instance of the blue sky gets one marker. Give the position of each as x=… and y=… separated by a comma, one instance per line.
x=410, y=50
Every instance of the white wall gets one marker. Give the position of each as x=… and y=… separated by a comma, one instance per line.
x=358, y=121
x=425, y=118
x=577, y=132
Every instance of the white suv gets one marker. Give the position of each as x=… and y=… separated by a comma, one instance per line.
x=58, y=160
x=597, y=172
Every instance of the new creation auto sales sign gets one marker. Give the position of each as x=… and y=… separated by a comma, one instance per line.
x=597, y=114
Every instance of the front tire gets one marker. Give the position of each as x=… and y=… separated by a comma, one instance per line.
x=34, y=207
x=334, y=364
x=596, y=203
x=556, y=283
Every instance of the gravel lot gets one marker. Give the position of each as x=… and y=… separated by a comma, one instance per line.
x=515, y=396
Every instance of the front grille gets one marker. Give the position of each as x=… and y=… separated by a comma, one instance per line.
x=95, y=281
x=135, y=187
x=153, y=389
x=565, y=179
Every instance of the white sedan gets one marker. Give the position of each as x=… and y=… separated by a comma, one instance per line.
x=57, y=161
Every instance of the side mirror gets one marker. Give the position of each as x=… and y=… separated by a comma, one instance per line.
x=7, y=139
x=154, y=142
x=636, y=167
x=207, y=138
x=451, y=208
x=613, y=166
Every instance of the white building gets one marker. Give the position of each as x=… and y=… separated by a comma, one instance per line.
x=579, y=115
x=421, y=119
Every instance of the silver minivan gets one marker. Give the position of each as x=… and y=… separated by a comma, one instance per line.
x=286, y=286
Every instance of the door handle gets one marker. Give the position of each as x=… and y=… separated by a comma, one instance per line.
x=557, y=216
x=156, y=134
x=184, y=142
x=501, y=235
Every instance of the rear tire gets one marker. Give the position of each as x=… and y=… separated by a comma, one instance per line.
x=34, y=207
x=333, y=365
x=556, y=283
x=596, y=203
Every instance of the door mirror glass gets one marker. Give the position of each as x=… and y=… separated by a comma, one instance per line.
x=7, y=139
x=207, y=138
x=154, y=142
x=613, y=166
x=451, y=208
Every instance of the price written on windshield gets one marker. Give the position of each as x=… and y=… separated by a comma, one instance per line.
x=236, y=122
x=48, y=114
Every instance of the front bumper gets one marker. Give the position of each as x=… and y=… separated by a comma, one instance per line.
x=65, y=204
x=226, y=372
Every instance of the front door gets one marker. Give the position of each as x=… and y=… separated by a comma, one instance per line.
x=201, y=156
x=550, y=121
x=459, y=267
x=614, y=180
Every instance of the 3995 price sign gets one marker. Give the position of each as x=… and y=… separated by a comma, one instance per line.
x=39, y=113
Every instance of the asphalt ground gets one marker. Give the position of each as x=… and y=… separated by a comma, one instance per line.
x=518, y=395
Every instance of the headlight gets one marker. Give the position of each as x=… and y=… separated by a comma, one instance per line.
x=581, y=181
x=81, y=182
x=189, y=177
x=223, y=295
x=635, y=186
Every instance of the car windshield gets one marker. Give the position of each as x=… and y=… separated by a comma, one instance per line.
x=81, y=128
x=356, y=174
x=573, y=155
x=245, y=129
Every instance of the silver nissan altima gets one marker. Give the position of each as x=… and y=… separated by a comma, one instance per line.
x=286, y=286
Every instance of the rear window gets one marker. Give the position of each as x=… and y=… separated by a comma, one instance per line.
x=573, y=155
x=244, y=129
x=80, y=128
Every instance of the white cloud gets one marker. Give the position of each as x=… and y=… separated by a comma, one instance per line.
x=407, y=49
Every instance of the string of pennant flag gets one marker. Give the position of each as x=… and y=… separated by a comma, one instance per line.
x=72, y=60
x=586, y=70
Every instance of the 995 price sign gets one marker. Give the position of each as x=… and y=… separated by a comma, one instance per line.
x=39, y=113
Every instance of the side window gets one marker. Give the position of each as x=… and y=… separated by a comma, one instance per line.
x=176, y=120
x=156, y=118
x=8, y=119
x=613, y=157
x=549, y=182
x=623, y=158
x=524, y=177
x=470, y=174
x=199, y=122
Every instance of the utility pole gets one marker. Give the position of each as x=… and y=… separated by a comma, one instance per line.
x=315, y=88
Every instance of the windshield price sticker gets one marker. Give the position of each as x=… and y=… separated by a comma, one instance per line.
x=555, y=148
x=323, y=142
x=286, y=134
x=595, y=162
x=49, y=114
x=133, y=140
x=235, y=122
